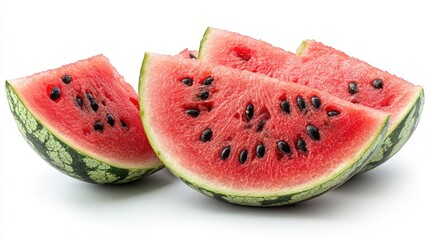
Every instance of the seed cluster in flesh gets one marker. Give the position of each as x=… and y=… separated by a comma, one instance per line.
x=89, y=99
x=63, y=157
x=249, y=115
x=353, y=87
x=342, y=75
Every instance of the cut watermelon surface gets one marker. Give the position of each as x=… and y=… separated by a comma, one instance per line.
x=186, y=53
x=83, y=118
x=249, y=139
x=329, y=70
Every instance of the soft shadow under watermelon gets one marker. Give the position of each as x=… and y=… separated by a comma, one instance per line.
x=93, y=194
x=334, y=204
x=371, y=183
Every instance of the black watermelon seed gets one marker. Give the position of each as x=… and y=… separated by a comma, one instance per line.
x=315, y=101
x=79, y=102
x=55, y=93
x=301, y=145
x=206, y=135
x=243, y=156
x=261, y=126
x=98, y=126
x=66, y=79
x=188, y=81
x=110, y=119
x=204, y=94
x=260, y=150
x=285, y=106
x=192, y=56
x=89, y=96
x=94, y=105
x=193, y=112
x=208, y=81
x=301, y=103
x=313, y=132
x=377, y=83
x=224, y=154
x=124, y=124
x=249, y=112
x=333, y=113
x=283, y=147
x=353, y=88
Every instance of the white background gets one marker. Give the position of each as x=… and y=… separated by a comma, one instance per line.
x=38, y=202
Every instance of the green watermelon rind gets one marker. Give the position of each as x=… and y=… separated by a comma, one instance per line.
x=399, y=134
x=62, y=156
x=258, y=199
x=203, y=42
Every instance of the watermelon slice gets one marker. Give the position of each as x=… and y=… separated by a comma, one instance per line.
x=249, y=139
x=84, y=120
x=329, y=70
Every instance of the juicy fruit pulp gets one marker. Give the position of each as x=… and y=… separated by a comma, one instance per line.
x=234, y=138
x=329, y=70
x=190, y=54
x=84, y=120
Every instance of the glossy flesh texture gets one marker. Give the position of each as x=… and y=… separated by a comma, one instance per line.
x=63, y=129
x=192, y=145
x=326, y=69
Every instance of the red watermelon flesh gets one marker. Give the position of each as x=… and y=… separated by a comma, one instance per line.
x=186, y=53
x=95, y=95
x=193, y=112
x=326, y=69
x=316, y=66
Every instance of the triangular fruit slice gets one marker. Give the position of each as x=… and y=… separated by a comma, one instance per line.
x=83, y=119
x=329, y=70
x=249, y=139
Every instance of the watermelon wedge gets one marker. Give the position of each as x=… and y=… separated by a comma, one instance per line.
x=83, y=119
x=249, y=139
x=329, y=70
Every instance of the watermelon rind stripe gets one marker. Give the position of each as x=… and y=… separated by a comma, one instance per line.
x=280, y=199
x=63, y=157
x=258, y=199
x=399, y=134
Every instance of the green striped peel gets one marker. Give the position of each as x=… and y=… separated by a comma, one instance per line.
x=63, y=157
